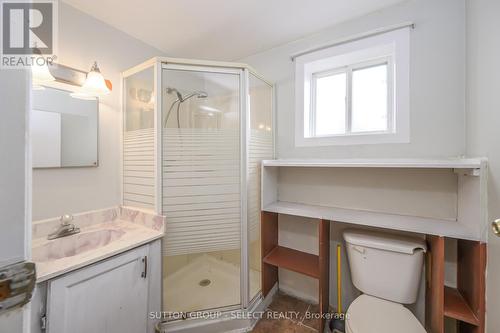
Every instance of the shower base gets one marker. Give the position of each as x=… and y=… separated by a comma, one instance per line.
x=205, y=283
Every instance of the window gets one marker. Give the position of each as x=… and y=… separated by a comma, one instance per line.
x=354, y=93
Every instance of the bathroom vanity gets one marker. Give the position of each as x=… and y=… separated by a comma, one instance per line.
x=439, y=200
x=105, y=278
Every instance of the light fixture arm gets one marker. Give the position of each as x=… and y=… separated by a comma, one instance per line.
x=95, y=68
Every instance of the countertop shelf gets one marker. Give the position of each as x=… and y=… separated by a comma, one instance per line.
x=450, y=163
x=297, y=261
x=417, y=224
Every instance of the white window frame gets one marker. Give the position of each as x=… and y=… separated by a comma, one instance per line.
x=391, y=48
x=348, y=70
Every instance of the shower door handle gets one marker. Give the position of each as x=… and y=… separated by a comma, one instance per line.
x=144, y=273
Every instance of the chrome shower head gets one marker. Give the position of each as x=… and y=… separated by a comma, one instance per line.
x=180, y=99
x=198, y=94
x=201, y=94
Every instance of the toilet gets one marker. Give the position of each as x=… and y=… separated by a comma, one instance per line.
x=387, y=269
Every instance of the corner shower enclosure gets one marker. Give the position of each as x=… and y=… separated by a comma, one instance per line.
x=194, y=133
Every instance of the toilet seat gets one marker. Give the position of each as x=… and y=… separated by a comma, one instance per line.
x=369, y=314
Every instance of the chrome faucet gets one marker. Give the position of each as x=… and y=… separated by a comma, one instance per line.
x=65, y=229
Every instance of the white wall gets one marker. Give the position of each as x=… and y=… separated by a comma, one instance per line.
x=14, y=195
x=437, y=108
x=483, y=123
x=437, y=81
x=83, y=39
x=14, y=103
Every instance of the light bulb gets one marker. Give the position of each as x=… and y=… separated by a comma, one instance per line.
x=94, y=85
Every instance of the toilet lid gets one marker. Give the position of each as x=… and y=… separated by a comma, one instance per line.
x=368, y=314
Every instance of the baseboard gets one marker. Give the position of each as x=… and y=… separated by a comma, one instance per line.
x=297, y=294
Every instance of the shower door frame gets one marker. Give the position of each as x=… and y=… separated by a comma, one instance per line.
x=243, y=121
x=158, y=64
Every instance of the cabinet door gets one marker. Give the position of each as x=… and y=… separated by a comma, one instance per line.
x=107, y=297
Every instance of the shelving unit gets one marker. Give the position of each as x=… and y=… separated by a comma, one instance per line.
x=466, y=302
x=275, y=256
x=453, y=197
x=437, y=198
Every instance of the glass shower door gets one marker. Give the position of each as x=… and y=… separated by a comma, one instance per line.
x=201, y=174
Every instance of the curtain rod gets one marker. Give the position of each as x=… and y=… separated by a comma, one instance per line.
x=356, y=37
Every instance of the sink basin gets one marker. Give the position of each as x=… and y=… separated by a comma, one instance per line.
x=72, y=245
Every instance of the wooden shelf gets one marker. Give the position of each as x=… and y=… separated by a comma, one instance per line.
x=297, y=261
x=456, y=307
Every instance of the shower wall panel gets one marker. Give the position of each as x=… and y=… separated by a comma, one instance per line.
x=138, y=141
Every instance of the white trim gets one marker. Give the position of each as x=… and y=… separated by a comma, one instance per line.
x=158, y=137
x=244, y=142
x=226, y=323
x=274, y=119
x=28, y=195
x=355, y=38
x=122, y=130
x=312, y=109
x=194, y=62
x=394, y=46
x=203, y=69
x=348, y=112
x=140, y=67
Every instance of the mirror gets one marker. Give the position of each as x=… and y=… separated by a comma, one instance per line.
x=64, y=130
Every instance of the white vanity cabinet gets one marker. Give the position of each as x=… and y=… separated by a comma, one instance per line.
x=114, y=295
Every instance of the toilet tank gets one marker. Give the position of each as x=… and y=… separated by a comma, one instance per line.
x=385, y=265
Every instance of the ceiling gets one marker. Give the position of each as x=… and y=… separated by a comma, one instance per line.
x=223, y=29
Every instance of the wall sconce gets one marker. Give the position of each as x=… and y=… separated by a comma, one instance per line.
x=95, y=85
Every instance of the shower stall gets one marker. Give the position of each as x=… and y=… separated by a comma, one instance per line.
x=194, y=133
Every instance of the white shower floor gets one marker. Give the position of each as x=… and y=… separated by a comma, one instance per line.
x=182, y=290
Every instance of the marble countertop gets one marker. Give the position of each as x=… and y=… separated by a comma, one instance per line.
x=95, y=242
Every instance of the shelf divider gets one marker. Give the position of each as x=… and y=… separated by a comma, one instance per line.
x=324, y=270
x=434, y=292
x=269, y=241
x=456, y=307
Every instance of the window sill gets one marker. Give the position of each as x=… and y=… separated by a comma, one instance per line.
x=353, y=139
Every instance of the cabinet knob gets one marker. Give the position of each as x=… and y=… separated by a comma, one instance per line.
x=495, y=225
